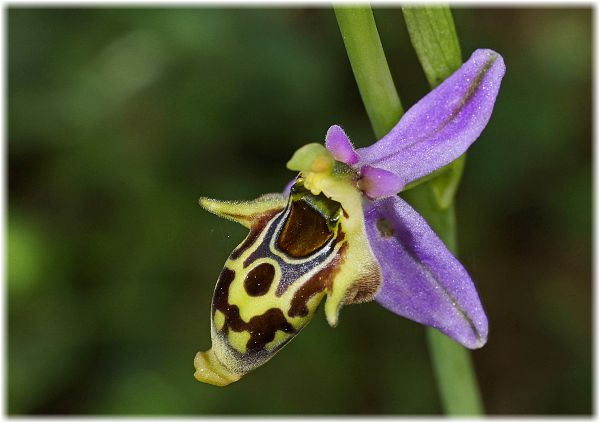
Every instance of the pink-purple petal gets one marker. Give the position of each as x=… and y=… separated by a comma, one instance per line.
x=340, y=146
x=443, y=124
x=379, y=183
x=422, y=280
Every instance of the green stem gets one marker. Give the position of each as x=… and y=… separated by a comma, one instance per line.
x=434, y=38
x=455, y=376
x=370, y=67
x=432, y=31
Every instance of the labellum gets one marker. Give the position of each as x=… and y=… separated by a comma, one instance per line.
x=298, y=250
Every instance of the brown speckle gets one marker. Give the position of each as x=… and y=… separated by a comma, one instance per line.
x=385, y=228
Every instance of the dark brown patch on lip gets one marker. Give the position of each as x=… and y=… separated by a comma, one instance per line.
x=259, y=280
x=304, y=232
x=318, y=283
x=256, y=228
x=262, y=328
x=252, y=236
x=220, y=298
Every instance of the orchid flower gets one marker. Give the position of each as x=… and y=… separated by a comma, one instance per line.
x=341, y=232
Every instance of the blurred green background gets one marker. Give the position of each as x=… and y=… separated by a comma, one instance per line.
x=119, y=119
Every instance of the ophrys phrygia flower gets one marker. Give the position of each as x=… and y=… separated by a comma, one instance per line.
x=341, y=232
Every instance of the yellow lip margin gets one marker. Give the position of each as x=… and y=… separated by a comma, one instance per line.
x=210, y=370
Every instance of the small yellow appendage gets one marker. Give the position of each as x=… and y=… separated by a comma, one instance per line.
x=210, y=370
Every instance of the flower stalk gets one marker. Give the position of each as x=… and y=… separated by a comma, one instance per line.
x=433, y=35
x=370, y=67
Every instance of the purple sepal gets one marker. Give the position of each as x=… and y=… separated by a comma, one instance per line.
x=379, y=183
x=443, y=124
x=339, y=145
x=422, y=280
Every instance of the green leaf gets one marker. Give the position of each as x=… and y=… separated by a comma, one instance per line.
x=445, y=185
x=432, y=34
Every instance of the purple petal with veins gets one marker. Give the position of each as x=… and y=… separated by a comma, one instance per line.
x=340, y=146
x=422, y=280
x=443, y=124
